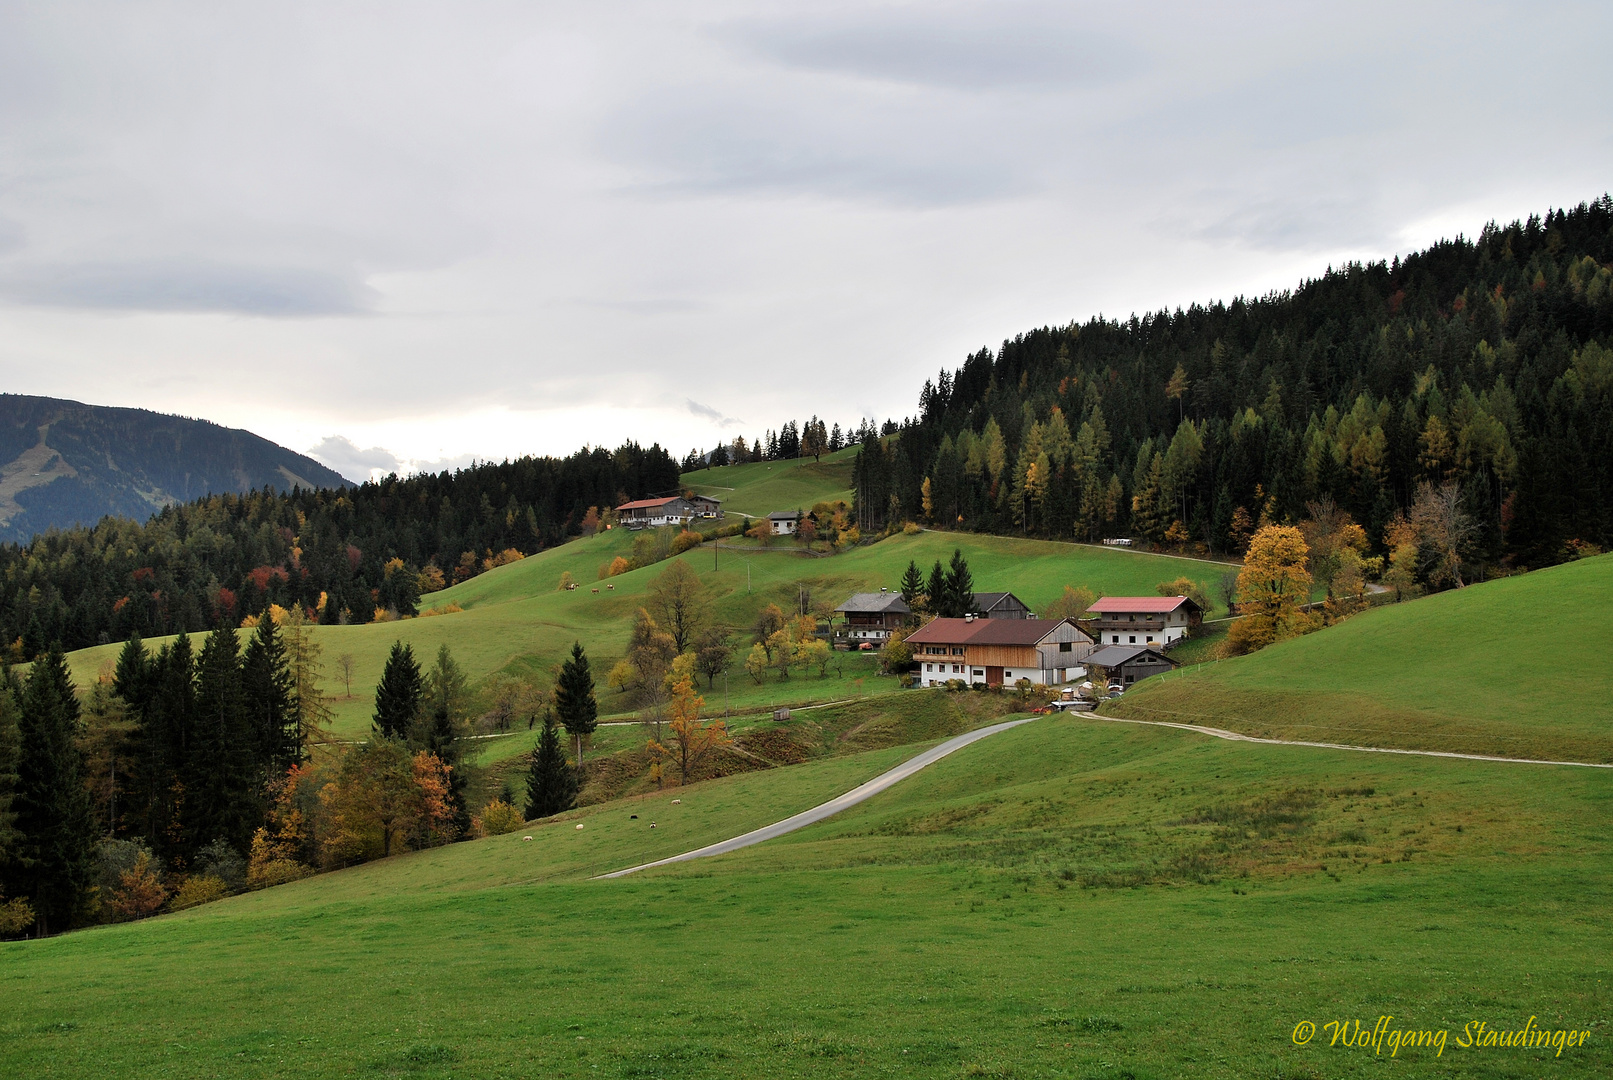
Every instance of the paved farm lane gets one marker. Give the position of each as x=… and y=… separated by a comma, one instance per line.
x=835, y=805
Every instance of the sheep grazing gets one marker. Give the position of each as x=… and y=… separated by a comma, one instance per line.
x=579, y=824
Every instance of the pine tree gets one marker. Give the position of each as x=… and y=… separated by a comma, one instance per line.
x=551, y=783
x=574, y=698
x=960, y=586
x=57, y=848
x=912, y=582
x=400, y=695
x=10, y=752
x=267, y=692
x=224, y=802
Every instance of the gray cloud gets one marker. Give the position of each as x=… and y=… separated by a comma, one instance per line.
x=998, y=46
x=711, y=414
x=342, y=454
x=184, y=285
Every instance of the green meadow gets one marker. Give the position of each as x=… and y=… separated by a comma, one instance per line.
x=516, y=621
x=759, y=488
x=1517, y=667
x=1074, y=897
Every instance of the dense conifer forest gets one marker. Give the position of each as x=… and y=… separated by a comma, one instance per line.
x=344, y=553
x=1486, y=364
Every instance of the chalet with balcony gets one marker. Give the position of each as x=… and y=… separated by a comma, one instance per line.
x=871, y=616
x=1144, y=620
x=999, y=652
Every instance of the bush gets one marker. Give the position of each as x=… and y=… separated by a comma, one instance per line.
x=499, y=818
x=221, y=861
x=199, y=889
x=911, y=529
x=686, y=540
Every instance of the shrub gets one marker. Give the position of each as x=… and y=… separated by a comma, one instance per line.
x=503, y=558
x=499, y=818
x=15, y=916
x=566, y=582
x=686, y=540
x=199, y=889
x=911, y=529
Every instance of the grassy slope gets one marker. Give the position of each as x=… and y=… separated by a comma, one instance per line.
x=1517, y=667
x=515, y=620
x=943, y=928
x=760, y=488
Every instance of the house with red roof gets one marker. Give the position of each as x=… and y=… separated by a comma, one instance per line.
x=1144, y=620
x=999, y=652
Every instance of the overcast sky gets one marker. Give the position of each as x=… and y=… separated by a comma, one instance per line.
x=444, y=231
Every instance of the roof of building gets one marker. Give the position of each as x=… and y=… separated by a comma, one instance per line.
x=784, y=515
x=1115, y=655
x=985, y=631
x=1150, y=605
x=986, y=601
x=647, y=504
x=876, y=603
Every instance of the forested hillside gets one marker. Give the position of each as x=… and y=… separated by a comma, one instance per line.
x=342, y=553
x=1483, y=364
x=64, y=463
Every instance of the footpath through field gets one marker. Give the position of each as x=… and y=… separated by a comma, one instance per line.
x=833, y=806
x=1233, y=736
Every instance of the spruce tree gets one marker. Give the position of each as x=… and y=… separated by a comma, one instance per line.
x=224, y=799
x=442, y=727
x=10, y=753
x=400, y=695
x=574, y=697
x=935, y=590
x=912, y=582
x=269, y=712
x=960, y=586
x=57, y=849
x=167, y=741
x=551, y=783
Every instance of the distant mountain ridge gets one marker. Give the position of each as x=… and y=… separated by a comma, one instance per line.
x=66, y=463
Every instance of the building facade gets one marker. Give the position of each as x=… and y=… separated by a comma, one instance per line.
x=1144, y=620
x=1125, y=664
x=871, y=617
x=998, y=652
x=673, y=510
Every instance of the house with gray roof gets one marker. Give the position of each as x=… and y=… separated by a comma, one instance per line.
x=871, y=616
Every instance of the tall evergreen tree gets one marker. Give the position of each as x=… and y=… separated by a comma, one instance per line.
x=912, y=582
x=10, y=754
x=960, y=587
x=400, y=694
x=225, y=802
x=268, y=705
x=165, y=739
x=574, y=697
x=442, y=727
x=57, y=849
x=551, y=783
x=936, y=589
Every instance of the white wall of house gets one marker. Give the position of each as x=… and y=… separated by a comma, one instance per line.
x=783, y=526
x=940, y=671
x=1159, y=635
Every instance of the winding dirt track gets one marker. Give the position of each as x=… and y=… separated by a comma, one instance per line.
x=929, y=757
x=1233, y=736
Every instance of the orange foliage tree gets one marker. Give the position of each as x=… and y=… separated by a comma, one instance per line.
x=690, y=742
x=1272, y=587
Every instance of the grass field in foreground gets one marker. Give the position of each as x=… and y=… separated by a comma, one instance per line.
x=1517, y=667
x=1071, y=898
x=514, y=619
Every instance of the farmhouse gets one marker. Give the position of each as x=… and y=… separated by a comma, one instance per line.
x=999, y=651
x=1125, y=664
x=784, y=522
x=871, y=616
x=1144, y=620
x=672, y=510
x=1000, y=605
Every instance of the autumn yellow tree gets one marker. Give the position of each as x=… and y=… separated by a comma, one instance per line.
x=689, y=741
x=1071, y=604
x=1272, y=588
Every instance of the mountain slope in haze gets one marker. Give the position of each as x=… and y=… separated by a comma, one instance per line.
x=67, y=463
